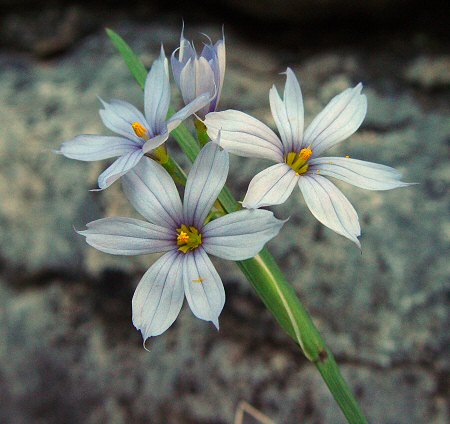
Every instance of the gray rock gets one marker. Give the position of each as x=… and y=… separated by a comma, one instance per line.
x=47, y=33
x=429, y=72
x=62, y=360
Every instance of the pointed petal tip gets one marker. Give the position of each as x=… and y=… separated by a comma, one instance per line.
x=358, y=243
x=101, y=101
x=145, y=336
x=289, y=71
x=172, y=56
x=208, y=37
x=273, y=90
x=215, y=321
x=402, y=184
x=283, y=221
x=80, y=232
x=145, y=341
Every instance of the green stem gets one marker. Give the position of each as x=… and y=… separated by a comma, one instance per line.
x=280, y=298
x=175, y=171
x=263, y=272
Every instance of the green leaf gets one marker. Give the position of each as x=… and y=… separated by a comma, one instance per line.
x=133, y=62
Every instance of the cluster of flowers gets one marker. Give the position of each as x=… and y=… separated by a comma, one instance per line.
x=185, y=232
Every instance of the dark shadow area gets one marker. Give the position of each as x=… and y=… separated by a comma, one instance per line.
x=49, y=28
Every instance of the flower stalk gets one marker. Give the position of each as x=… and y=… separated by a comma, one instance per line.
x=263, y=272
x=175, y=171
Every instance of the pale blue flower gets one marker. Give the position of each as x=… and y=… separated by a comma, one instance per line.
x=199, y=74
x=138, y=134
x=180, y=231
x=298, y=152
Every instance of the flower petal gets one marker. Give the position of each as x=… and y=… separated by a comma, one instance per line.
x=327, y=203
x=272, y=186
x=119, y=167
x=203, y=286
x=219, y=69
x=155, y=142
x=188, y=110
x=288, y=114
x=240, y=235
x=338, y=121
x=128, y=236
x=185, y=52
x=157, y=94
x=244, y=135
x=204, y=183
x=159, y=296
x=177, y=67
x=368, y=175
x=152, y=192
x=96, y=147
x=197, y=77
x=118, y=116
x=215, y=55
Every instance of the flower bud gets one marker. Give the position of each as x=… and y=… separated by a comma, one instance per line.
x=196, y=74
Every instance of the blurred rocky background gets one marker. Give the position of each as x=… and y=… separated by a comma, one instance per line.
x=68, y=350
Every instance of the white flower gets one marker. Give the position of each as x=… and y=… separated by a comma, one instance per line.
x=180, y=231
x=138, y=134
x=298, y=152
x=199, y=74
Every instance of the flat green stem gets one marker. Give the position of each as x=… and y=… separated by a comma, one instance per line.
x=175, y=171
x=263, y=272
x=280, y=298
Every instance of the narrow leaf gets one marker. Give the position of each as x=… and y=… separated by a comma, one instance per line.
x=132, y=60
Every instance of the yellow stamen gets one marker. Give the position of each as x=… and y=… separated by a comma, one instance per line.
x=140, y=130
x=200, y=280
x=182, y=238
x=299, y=161
x=188, y=238
x=305, y=154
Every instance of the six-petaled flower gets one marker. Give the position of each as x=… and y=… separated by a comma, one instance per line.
x=180, y=231
x=138, y=134
x=298, y=154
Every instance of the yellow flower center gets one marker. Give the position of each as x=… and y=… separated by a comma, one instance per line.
x=182, y=238
x=299, y=161
x=188, y=238
x=140, y=130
